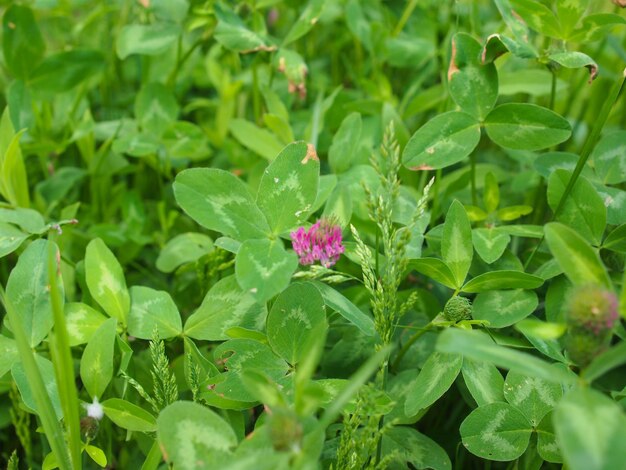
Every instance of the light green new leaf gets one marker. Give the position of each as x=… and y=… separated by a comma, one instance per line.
x=96, y=364
x=13, y=177
x=346, y=309
x=146, y=39
x=484, y=381
x=584, y=209
x=288, y=187
x=184, y=248
x=296, y=314
x=410, y=446
x=28, y=291
x=497, y=431
x=225, y=306
x=456, y=242
x=128, y=415
x=435, y=269
x=435, y=378
x=193, y=436
x=81, y=322
x=526, y=126
x=490, y=243
x=480, y=347
x=259, y=140
x=105, y=280
x=472, y=84
x=580, y=262
x=502, y=280
x=264, y=268
x=150, y=309
x=590, y=431
x=443, y=141
x=532, y=396
x=220, y=201
x=46, y=369
x=503, y=308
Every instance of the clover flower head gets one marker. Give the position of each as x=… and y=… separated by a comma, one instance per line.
x=592, y=307
x=322, y=242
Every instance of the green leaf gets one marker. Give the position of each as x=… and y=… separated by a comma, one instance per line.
x=407, y=445
x=22, y=44
x=105, y=280
x=264, y=268
x=575, y=60
x=10, y=238
x=259, y=140
x=307, y=19
x=146, y=39
x=584, y=209
x=13, y=177
x=497, y=431
x=46, y=369
x=27, y=289
x=616, y=240
x=155, y=108
x=225, y=306
x=456, y=242
x=532, y=396
x=233, y=34
x=580, y=262
x=150, y=309
x=443, y=141
x=484, y=381
x=129, y=416
x=295, y=315
x=435, y=269
x=9, y=354
x=219, y=201
x=590, y=428
x=608, y=158
x=526, y=127
x=472, y=85
x=81, y=322
x=490, y=243
x=435, y=378
x=63, y=71
x=504, y=308
x=288, y=187
x=346, y=309
x=182, y=249
x=97, y=455
x=194, y=437
x=479, y=347
x=569, y=14
x=346, y=144
x=547, y=446
x=608, y=360
x=96, y=364
x=537, y=16
x=494, y=280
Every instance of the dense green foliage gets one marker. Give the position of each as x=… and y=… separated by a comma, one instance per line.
x=272, y=234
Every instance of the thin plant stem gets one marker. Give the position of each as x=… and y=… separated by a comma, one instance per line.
x=405, y=348
x=406, y=14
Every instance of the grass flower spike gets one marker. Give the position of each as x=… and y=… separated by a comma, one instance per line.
x=322, y=242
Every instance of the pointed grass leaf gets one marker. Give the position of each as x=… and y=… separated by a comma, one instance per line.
x=346, y=308
x=22, y=43
x=497, y=431
x=443, y=141
x=193, y=436
x=219, y=201
x=296, y=313
x=81, y=322
x=583, y=210
x=407, y=445
x=61, y=72
x=502, y=308
x=8, y=354
x=96, y=365
x=484, y=381
x=105, y=280
x=435, y=269
x=225, y=306
x=13, y=176
x=609, y=158
x=46, y=369
x=493, y=280
x=152, y=309
x=532, y=396
x=490, y=243
x=435, y=378
x=590, y=431
x=288, y=187
x=479, y=347
x=27, y=289
x=547, y=446
x=580, y=262
x=146, y=39
x=182, y=249
x=264, y=268
x=473, y=85
x=526, y=127
x=129, y=416
x=456, y=242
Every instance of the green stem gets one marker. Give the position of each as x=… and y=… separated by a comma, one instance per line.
x=473, y=178
x=406, y=14
x=552, y=88
x=417, y=335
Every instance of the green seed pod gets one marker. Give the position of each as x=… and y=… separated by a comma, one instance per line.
x=457, y=309
x=583, y=345
x=285, y=429
x=593, y=308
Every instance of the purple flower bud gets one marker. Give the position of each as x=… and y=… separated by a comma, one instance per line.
x=322, y=242
x=593, y=308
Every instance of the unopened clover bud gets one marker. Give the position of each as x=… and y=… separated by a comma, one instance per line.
x=592, y=307
x=89, y=428
x=583, y=346
x=458, y=308
x=285, y=429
